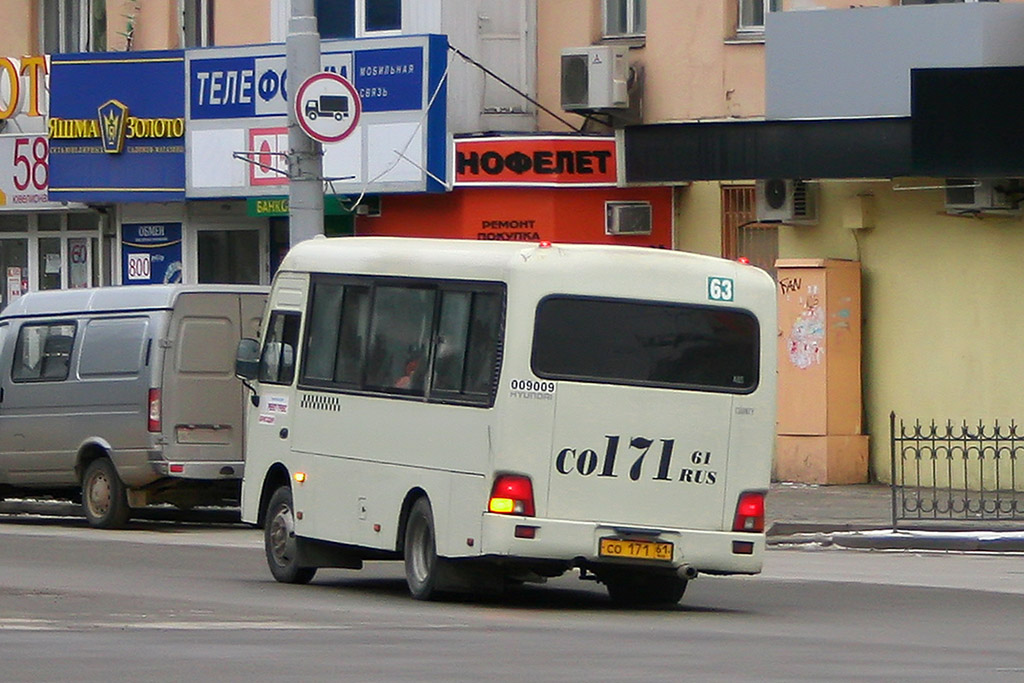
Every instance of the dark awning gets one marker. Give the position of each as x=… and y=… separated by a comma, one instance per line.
x=965, y=122
x=732, y=150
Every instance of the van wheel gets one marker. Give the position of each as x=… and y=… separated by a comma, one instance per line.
x=422, y=565
x=639, y=589
x=104, y=497
x=280, y=542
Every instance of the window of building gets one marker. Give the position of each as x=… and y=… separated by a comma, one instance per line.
x=197, y=23
x=619, y=341
x=625, y=18
x=358, y=18
x=229, y=256
x=73, y=26
x=742, y=235
x=752, y=13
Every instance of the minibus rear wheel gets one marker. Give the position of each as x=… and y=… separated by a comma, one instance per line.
x=423, y=567
x=104, y=496
x=642, y=588
x=279, y=540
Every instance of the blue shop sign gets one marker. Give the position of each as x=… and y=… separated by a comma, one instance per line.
x=387, y=79
x=112, y=139
x=237, y=118
x=150, y=253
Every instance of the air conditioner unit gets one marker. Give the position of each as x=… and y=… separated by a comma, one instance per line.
x=627, y=218
x=786, y=201
x=594, y=78
x=969, y=195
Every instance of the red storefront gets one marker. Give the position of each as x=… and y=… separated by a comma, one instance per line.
x=556, y=188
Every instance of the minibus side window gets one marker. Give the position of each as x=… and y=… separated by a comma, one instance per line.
x=436, y=340
x=43, y=352
x=467, y=343
x=277, y=361
x=484, y=334
x=452, y=335
x=355, y=323
x=402, y=322
x=325, y=314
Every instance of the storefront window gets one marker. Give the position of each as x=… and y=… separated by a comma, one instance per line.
x=64, y=250
x=13, y=223
x=50, y=263
x=14, y=268
x=49, y=221
x=79, y=270
x=229, y=256
x=83, y=221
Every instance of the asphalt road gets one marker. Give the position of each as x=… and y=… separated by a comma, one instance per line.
x=167, y=602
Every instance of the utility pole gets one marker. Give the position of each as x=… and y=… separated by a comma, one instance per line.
x=305, y=158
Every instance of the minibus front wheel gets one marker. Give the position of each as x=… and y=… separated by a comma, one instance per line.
x=279, y=540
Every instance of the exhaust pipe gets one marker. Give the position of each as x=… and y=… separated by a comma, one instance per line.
x=687, y=571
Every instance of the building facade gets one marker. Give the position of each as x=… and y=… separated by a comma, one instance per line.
x=774, y=130
x=878, y=134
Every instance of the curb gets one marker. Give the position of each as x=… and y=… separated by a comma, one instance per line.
x=900, y=541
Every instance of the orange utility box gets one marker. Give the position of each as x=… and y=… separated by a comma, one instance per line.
x=820, y=439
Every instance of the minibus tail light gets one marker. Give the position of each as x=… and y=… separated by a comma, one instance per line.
x=512, y=494
x=749, y=512
x=154, y=410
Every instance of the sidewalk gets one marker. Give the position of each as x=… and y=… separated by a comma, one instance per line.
x=860, y=516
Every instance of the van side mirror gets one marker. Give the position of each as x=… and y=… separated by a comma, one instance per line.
x=247, y=359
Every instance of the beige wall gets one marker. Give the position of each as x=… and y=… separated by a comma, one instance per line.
x=699, y=218
x=943, y=318
x=18, y=29
x=691, y=71
x=241, y=22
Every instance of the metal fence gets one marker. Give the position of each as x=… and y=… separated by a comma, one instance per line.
x=959, y=472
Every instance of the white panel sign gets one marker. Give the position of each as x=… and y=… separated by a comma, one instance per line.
x=236, y=105
x=25, y=172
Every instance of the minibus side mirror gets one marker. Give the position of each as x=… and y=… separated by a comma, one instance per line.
x=247, y=359
x=247, y=365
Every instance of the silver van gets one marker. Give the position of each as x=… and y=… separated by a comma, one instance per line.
x=125, y=396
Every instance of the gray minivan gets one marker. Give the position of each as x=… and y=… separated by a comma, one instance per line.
x=125, y=396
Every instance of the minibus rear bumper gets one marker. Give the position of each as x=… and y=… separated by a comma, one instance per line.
x=711, y=552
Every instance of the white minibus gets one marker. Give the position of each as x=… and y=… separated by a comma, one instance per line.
x=499, y=413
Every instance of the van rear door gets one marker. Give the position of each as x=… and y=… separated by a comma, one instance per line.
x=201, y=400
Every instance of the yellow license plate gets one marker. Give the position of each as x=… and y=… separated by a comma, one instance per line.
x=635, y=550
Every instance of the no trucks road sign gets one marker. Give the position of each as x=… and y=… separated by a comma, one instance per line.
x=327, y=107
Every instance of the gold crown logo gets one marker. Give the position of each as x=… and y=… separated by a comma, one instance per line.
x=111, y=122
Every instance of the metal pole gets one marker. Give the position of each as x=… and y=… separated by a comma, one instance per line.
x=305, y=158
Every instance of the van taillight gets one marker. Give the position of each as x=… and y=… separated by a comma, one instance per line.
x=512, y=494
x=154, y=410
x=749, y=512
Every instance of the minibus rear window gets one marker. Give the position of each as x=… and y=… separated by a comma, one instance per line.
x=646, y=343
